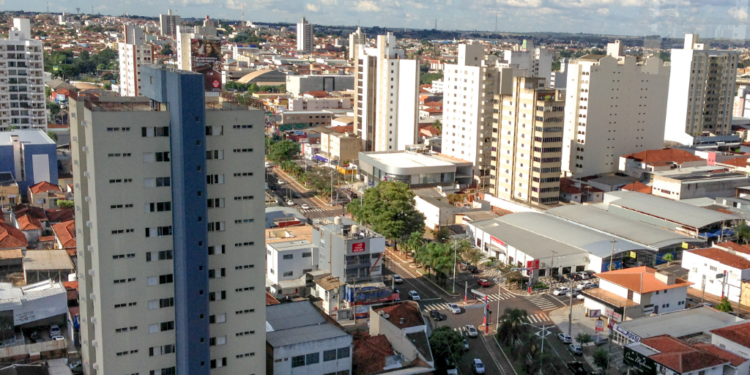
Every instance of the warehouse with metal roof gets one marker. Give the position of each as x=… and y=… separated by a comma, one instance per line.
x=560, y=246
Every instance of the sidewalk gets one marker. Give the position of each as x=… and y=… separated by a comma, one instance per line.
x=302, y=188
x=583, y=324
x=406, y=263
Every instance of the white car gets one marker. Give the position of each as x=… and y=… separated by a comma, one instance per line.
x=54, y=330
x=397, y=279
x=581, y=297
x=414, y=295
x=305, y=206
x=58, y=338
x=290, y=203
x=561, y=291
x=454, y=308
x=584, y=285
x=471, y=331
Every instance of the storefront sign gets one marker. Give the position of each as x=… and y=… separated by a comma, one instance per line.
x=358, y=247
x=595, y=313
x=496, y=242
x=599, y=325
x=639, y=363
x=613, y=314
x=630, y=335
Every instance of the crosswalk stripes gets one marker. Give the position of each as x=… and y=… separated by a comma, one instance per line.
x=536, y=318
x=434, y=306
x=542, y=303
x=312, y=210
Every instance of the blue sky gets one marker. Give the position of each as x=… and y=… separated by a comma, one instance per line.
x=710, y=18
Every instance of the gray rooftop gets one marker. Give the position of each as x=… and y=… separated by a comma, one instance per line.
x=31, y=136
x=298, y=322
x=680, y=323
x=666, y=209
x=47, y=260
x=291, y=245
x=619, y=226
x=538, y=235
x=280, y=212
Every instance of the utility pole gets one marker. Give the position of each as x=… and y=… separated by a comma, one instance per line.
x=612, y=256
x=455, y=255
x=570, y=315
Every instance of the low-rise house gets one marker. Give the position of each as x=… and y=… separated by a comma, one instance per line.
x=300, y=339
x=65, y=236
x=717, y=271
x=330, y=290
x=668, y=355
x=647, y=162
x=47, y=264
x=438, y=209
x=734, y=338
x=9, y=192
x=45, y=195
x=287, y=266
x=12, y=238
x=632, y=293
x=576, y=191
x=405, y=328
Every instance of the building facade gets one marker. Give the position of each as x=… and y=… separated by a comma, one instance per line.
x=614, y=106
x=170, y=228
x=355, y=39
x=387, y=89
x=527, y=143
x=22, y=103
x=30, y=155
x=305, y=36
x=297, y=85
x=348, y=251
x=168, y=23
x=701, y=91
x=469, y=89
x=537, y=61
x=133, y=52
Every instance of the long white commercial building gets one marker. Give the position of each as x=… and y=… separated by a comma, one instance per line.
x=169, y=218
x=387, y=86
x=615, y=105
x=701, y=91
x=22, y=103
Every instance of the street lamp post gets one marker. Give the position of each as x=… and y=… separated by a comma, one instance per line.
x=455, y=255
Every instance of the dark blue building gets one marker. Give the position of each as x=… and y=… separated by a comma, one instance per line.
x=30, y=155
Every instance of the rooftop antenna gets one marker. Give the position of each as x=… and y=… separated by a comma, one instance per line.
x=78, y=10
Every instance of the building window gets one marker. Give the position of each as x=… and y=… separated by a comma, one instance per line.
x=312, y=358
x=288, y=256
x=329, y=355
x=298, y=361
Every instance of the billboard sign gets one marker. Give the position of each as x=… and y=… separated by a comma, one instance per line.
x=496, y=242
x=630, y=335
x=639, y=363
x=358, y=247
x=532, y=264
x=595, y=313
x=599, y=325
x=205, y=58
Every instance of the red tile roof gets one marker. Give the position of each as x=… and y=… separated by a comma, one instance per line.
x=745, y=249
x=639, y=187
x=567, y=186
x=665, y=155
x=26, y=222
x=58, y=215
x=680, y=356
x=11, y=237
x=721, y=353
x=739, y=333
x=317, y=94
x=370, y=353
x=406, y=310
x=270, y=300
x=724, y=257
x=640, y=280
x=66, y=234
x=43, y=186
x=429, y=130
x=737, y=162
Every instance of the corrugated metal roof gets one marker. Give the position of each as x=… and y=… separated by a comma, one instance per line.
x=619, y=226
x=667, y=209
x=297, y=322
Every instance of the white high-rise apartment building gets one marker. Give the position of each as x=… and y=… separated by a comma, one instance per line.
x=615, y=105
x=22, y=103
x=133, y=53
x=305, y=36
x=469, y=88
x=538, y=61
x=355, y=39
x=387, y=87
x=168, y=23
x=701, y=91
x=169, y=218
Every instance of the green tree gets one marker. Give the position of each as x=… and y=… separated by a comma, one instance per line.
x=583, y=338
x=743, y=232
x=427, y=78
x=389, y=209
x=166, y=50
x=283, y=150
x=52, y=135
x=512, y=326
x=473, y=256
x=438, y=125
x=65, y=204
x=415, y=241
x=668, y=257
x=443, y=235
x=446, y=343
x=53, y=107
x=440, y=259
x=724, y=305
x=602, y=359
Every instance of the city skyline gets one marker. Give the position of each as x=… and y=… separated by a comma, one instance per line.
x=669, y=18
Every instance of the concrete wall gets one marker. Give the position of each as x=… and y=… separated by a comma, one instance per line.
x=700, y=267
x=283, y=357
x=674, y=189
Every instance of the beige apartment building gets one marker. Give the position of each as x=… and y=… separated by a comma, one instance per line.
x=527, y=142
x=339, y=146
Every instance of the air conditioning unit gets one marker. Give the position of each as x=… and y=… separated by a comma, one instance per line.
x=89, y=224
x=87, y=199
x=92, y=296
x=78, y=186
x=79, y=231
x=75, y=139
x=86, y=174
x=586, y=259
x=94, y=343
x=90, y=248
x=85, y=148
x=93, y=319
x=95, y=366
x=79, y=253
x=73, y=115
x=91, y=272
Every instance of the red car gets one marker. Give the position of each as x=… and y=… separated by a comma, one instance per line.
x=484, y=283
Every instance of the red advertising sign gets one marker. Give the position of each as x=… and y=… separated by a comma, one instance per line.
x=497, y=242
x=532, y=264
x=358, y=247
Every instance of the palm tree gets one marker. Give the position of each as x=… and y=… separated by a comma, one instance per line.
x=473, y=256
x=743, y=232
x=422, y=256
x=512, y=326
x=415, y=241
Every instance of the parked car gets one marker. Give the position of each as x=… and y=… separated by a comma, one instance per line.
x=463, y=264
x=559, y=278
x=413, y=295
x=483, y=282
x=584, y=275
x=466, y=344
x=581, y=297
x=592, y=286
x=477, y=366
x=575, y=292
x=564, y=338
x=577, y=368
x=584, y=285
x=454, y=308
x=575, y=349
x=290, y=203
x=397, y=279
x=295, y=194
x=563, y=290
x=54, y=330
x=450, y=367
x=436, y=315
x=472, y=269
x=282, y=182
x=57, y=338
x=305, y=206
x=471, y=331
